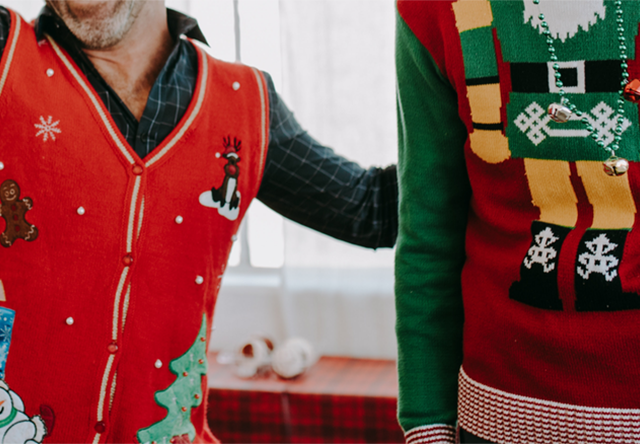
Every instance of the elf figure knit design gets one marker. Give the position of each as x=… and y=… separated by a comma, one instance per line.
x=516, y=229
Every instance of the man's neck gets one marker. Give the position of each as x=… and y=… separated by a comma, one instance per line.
x=131, y=67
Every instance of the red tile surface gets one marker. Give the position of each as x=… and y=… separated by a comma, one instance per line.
x=339, y=400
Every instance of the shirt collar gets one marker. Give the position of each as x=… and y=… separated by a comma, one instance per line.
x=179, y=24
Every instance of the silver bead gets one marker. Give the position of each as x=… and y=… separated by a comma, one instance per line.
x=69, y=321
x=199, y=280
x=50, y=72
x=81, y=211
x=559, y=113
x=615, y=166
x=158, y=363
x=179, y=220
x=236, y=86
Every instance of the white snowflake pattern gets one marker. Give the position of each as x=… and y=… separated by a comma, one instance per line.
x=542, y=253
x=536, y=124
x=48, y=128
x=598, y=261
x=5, y=333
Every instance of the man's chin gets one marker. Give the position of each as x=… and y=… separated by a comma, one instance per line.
x=97, y=24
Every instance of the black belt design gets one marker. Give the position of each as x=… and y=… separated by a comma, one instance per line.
x=599, y=76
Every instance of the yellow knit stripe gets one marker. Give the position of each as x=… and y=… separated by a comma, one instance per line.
x=611, y=198
x=485, y=102
x=551, y=191
x=471, y=14
x=490, y=146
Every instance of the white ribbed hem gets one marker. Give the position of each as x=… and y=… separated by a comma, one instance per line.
x=433, y=434
x=504, y=417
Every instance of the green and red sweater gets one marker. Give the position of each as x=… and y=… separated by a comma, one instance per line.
x=517, y=269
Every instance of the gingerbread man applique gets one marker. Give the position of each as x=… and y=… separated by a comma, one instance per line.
x=12, y=210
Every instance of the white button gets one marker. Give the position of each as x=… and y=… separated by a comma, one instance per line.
x=234, y=238
x=69, y=321
x=81, y=211
x=199, y=280
x=179, y=219
x=236, y=85
x=158, y=363
x=50, y=72
x=1, y=166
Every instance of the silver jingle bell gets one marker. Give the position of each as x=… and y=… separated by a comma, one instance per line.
x=559, y=113
x=615, y=166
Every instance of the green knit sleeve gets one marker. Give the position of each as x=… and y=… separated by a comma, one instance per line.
x=434, y=204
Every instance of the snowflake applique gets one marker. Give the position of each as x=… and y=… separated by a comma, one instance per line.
x=597, y=260
x=5, y=333
x=47, y=128
x=542, y=252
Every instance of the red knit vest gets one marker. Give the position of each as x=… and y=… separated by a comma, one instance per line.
x=129, y=252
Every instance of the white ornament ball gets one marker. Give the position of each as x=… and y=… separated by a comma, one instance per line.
x=253, y=356
x=293, y=357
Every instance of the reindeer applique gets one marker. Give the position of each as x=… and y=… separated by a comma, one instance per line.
x=226, y=198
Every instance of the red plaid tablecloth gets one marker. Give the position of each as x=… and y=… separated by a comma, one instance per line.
x=339, y=400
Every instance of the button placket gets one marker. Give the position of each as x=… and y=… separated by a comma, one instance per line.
x=113, y=348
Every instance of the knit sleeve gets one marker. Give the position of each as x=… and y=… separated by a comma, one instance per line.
x=434, y=203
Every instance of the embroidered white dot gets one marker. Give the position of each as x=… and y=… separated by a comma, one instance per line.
x=50, y=72
x=69, y=321
x=158, y=363
x=179, y=220
x=199, y=280
x=236, y=85
x=81, y=211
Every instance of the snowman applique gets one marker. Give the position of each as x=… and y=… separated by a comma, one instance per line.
x=15, y=426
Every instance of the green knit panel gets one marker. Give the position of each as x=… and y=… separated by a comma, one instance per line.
x=434, y=202
x=534, y=135
x=514, y=36
x=477, y=47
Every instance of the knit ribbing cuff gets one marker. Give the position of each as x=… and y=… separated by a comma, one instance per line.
x=433, y=434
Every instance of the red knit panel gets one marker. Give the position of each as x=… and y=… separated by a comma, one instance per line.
x=436, y=38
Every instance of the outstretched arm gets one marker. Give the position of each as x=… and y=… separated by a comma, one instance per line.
x=312, y=185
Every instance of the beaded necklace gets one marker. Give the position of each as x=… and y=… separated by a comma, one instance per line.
x=562, y=112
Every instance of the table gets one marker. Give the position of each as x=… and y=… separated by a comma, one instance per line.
x=338, y=400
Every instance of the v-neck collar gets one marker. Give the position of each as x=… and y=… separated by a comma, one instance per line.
x=123, y=147
x=169, y=96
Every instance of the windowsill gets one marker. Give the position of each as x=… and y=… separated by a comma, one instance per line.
x=342, y=312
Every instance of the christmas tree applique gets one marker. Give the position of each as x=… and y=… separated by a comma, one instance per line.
x=181, y=396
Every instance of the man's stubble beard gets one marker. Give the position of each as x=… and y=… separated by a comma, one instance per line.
x=100, y=24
